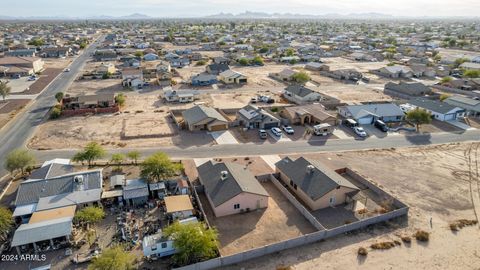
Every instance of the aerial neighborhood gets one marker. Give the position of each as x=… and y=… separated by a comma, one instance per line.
x=248, y=141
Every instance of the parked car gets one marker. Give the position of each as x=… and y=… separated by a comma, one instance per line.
x=16, y=76
x=253, y=100
x=262, y=133
x=31, y=78
x=360, y=132
x=67, y=70
x=288, y=129
x=276, y=131
x=381, y=125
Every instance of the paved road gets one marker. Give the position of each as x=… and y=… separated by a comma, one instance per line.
x=251, y=149
x=16, y=133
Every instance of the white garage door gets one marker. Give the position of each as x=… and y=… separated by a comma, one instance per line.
x=365, y=120
x=449, y=117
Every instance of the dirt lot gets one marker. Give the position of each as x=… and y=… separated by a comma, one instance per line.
x=92, y=87
x=110, y=129
x=9, y=108
x=280, y=221
x=435, y=186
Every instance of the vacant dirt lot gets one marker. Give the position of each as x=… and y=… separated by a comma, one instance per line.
x=143, y=122
x=280, y=221
x=92, y=87
x=9, y=108
x=433, y=181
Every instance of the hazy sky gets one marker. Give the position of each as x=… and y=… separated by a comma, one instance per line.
x=178, y=8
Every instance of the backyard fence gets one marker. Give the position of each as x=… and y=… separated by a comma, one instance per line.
x=308, y=238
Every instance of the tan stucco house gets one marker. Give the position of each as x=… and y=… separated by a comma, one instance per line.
x=311, y=114
x=231, y=188
x=314, y=183
x=204, y=118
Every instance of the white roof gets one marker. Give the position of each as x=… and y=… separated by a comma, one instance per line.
x=64, y=161
x=40, y=231
x=24, y=210
x=112, y=193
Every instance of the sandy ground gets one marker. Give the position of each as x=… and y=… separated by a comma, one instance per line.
x=92, y=87
x=433, y=181
x=57, y=62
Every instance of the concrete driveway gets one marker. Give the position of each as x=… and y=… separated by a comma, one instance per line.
x=460, y=125
x=282, y=138
x=224, y=137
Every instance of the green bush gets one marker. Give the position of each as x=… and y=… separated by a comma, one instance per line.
x=56, y=113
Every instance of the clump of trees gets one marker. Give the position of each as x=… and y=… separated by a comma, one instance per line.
x=301, y=77
x=19, y=159
x=91, y=152
x=193, y=242
x=113, y=258
x=120, y=99
x=158, y=166
x=6, y=222
x=5, y=90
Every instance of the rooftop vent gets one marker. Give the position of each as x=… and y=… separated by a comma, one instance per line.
x=223, y=175
x=310, y=169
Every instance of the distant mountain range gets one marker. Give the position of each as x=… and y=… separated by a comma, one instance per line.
x=243, y=15
x=263, y=15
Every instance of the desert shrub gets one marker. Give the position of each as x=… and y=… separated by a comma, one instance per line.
x=422, y=236
x=396, y=242
x=362, y=251
x=362, y=211
x=55, y=113
x=406, y=239
x=383, y=245
x=459, y=224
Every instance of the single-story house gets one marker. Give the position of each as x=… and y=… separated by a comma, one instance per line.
x=367, y=113
x=311, y=114
x=441, y=111
x=314, y=183
x=253, y=117
x=285, y=75
x=182, y=96
x=23, y=65
x=406, y=90
x=231, y=188
x=471, y=106
x=230, y=76
x=105, y=55
x=150, y=57
x=204, y=79
x=21, y=53
x=216, y=69
x=132, y=77
x=204, y=118
x=395, y=72
x=179, y=206
x=89, y=101
x=315, y=66
x=300, y=94
x=179, y=62
x=56, y=52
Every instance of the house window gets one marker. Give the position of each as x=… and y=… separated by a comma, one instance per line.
x=332, y=200
x=295, y=186
x=164, y=245
x=291, y=183
x=154, y=248
x=236, y=206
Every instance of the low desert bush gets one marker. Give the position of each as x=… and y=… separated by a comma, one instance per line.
x=422, y=236
x=362, y=251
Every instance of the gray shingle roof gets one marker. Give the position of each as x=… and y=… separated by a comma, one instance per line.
x=51, y=170
x=238, y=180
x=381, y=110
x=31, y=191
x=199, y=113
x=432, y=105
x=299, y=90
x=415, y=88
x=316, y=183
x=44, y=230
x=460, y=100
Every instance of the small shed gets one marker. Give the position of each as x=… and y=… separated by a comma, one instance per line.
x=179, y=206
x=135, y=193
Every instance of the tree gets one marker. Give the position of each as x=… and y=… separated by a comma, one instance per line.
x=193, y=242
x=419, y=117
x=134, y=155
x=159, y=166
x=437, y=58
x=139, y=54
x=471, y=73
x=263, y=50
x=113, y=258
x=117, y=158
x=120, y=99
x=59, y=96
x=289, y=52
x=6, y=221
x=243, y=61
x=90, y=215
x=4, y=90
x=36, y=42
x=445, y=80
x=301, y=77
x=460, y=61
x=201, y=63
x=106, y=75
x=55, y=113
x=444, y=96
x=90, y=153
x=257, y=60
x=19, y=159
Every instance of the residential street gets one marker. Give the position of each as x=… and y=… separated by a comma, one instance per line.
x=251, y=149
x=16, y=133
